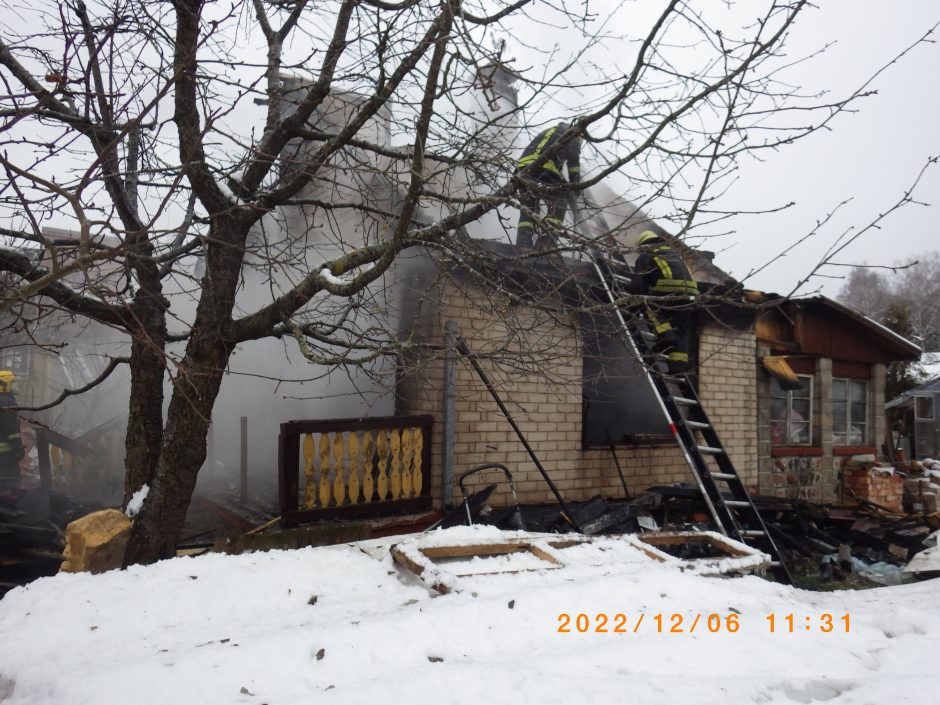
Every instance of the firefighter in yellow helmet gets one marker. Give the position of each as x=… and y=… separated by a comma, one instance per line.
x=549, y=175
x=11, y=447
x=660, y=271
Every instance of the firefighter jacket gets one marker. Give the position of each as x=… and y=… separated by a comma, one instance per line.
x=569, y=154
x=11, y=447
x=661, y=271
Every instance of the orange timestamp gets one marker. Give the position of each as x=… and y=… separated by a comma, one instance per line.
x=697, y=622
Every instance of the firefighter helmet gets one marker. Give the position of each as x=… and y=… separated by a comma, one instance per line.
x=648, y=237
x=7, y=379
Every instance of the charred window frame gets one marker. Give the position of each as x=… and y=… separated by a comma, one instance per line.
x=791, y=413
x=849, y=412
x=619, y=404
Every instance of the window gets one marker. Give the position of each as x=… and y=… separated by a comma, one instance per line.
x=924, y=439
x=620, y=406
x=849, y=412
x=16, y=360
x=791, y=413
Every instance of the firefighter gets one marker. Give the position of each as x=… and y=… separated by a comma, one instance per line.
x=11, y=447
x=549, y=175
x=659, y=271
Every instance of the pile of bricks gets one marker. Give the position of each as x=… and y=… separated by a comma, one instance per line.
x=920, y=495
x=873, y=483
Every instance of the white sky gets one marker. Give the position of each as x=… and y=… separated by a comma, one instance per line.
x=871, y=157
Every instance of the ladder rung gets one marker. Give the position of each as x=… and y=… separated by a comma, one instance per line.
x=752, y=534
x=696, y=424
x=737, y=503
x=646, y=334
x=726, y=476
x=710, y=450
x=621, y=278
x=684, y=401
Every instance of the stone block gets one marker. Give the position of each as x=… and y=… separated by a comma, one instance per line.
x=96, y=542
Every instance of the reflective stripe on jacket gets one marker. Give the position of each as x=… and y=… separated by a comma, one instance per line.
x=569, y=155
x=663, y=272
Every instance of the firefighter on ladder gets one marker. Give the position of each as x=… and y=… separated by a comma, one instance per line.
x=548, y=175
x=11, y=447
x=660, y=271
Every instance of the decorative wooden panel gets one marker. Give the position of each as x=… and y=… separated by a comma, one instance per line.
x=396, y=464
x=381, y=449
x=407, y=457
x=368, y=482
x=365, y=463
x=417, y=477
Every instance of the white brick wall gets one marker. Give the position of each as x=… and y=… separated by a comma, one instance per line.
x=534, y=360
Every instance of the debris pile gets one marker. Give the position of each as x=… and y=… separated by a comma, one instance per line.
x=874, y=482
x=32, y=534
x=922, y=487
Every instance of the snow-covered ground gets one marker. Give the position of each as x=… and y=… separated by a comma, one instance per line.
x=343, y=625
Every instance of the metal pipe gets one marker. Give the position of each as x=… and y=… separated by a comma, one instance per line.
x=451, y=335
x=472, y=359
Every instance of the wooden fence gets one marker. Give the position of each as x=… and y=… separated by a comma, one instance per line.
x=354, y=467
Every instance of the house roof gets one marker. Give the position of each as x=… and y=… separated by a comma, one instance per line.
x=819, y=326
x=928, y=389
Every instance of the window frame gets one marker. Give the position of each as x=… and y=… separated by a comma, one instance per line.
x=787, y=396
x=21, y=353
x=847, y=401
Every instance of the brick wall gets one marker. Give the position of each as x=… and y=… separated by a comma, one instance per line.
x=533, y=358
x=727, y=359
x=865, y=482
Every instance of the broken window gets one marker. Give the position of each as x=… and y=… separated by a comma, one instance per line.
x=849, y=412
x=924, y=427
x=620, y=405
x=791, y=413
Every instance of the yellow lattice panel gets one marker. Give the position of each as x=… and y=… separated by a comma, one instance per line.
x=355, y=467
x=339, y=482
x=309, y=485
x=407, y=452
x=368, y=484
x=417, y=479
x=325, y=470
x=396, y=464
x=381, y=448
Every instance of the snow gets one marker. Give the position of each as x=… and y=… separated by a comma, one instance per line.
x=930, y=363
x=247, y=629
x=137, y=501
x=331, y=278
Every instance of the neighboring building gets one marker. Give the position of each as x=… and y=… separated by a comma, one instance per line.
x=919, y=412
x=806, y=434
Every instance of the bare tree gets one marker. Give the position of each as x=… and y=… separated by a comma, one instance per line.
x=912, y=287
x=140, y=127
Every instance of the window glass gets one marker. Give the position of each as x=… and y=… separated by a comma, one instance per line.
x=791, y=413
x=16, y=360
x=923, y=407
x=849, y=412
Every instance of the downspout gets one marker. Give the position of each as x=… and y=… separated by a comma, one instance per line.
x=450, y=386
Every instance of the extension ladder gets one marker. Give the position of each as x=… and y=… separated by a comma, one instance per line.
x=722, y=489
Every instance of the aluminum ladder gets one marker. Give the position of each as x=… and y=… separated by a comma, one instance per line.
x=722, y=489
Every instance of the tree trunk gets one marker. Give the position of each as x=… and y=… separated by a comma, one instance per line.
x=145, y=419
x=157, y=527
